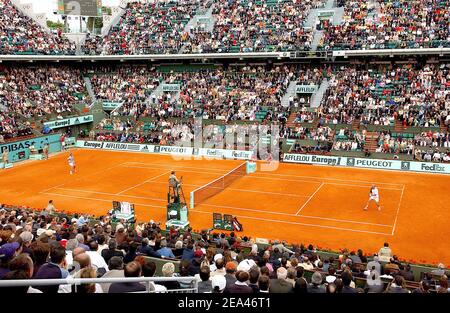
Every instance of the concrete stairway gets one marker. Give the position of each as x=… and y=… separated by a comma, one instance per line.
x=356, y=124
x=318, y=34
x=90, y=90
x=398, y=127
x=371, y=142
x=316, y=99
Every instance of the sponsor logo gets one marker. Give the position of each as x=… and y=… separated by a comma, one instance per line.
x=93, y=144
x=144, y=148
x=432, y=168
x=121, y=146
x=405, y=166
x=214, y=152
x=173, y=150
x=240, y=154
x=372, y=163
x=157, y=149
x=17, y=146
x=351, y=162
x=196, y=151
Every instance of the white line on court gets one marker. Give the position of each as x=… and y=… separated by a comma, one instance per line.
x=233, y=189
x=295, y=215
x=144, y=182
x=303, y=224
x=235, y=208
x=398, y=210
x=112, y=194
x=287, y=175
x=317, y=190
x=82, y=177
x=247, y=217
x=97, y=199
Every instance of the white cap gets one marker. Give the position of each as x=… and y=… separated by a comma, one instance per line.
x=218, y=256
x=246, y=265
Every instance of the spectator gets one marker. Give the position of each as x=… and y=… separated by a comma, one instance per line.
x=115, y=270
x=346, y=281
x=230, y=273
x=218, y=283
x=316, y=285
x=168, y=270
x=280, y=285
x=7, y=252
x=132, y=269
x=385, y=253
x=55, y=269
x=112, y=250
x=205, y=286
x=398, y=285
x=240, y=285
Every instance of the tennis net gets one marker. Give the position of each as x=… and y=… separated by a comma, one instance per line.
x=216, y=186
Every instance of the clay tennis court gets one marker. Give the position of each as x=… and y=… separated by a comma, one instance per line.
x=297, y=203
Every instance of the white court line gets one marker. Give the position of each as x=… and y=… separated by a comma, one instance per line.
x=287, y=175
x=295, y=215
x=234, y=208
x=180, y=166
x=369, y=184
x=311, y=181
x=303, y=224
x=233, y=189
x=82, y=177
x=112, y=194
x=398, y=210
x=360, y=186
x=317, y=190
x=97, y=199
x=144, y=182
x=248, y=217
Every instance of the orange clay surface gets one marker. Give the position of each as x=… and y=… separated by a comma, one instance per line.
x=297, y=203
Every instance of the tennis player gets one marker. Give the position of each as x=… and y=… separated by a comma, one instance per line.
x=71, y=160
x=374, y=195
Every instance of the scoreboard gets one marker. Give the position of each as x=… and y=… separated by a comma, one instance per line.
x=80, y=7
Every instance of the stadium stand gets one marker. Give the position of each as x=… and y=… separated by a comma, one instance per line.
x=388, y=108
x=22, y=35
x=116, y=250
x=390, y=24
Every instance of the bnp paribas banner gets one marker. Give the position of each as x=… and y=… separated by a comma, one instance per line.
x=20, y=150
x=70, y=121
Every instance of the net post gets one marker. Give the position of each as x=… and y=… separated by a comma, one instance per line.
x=191, y=199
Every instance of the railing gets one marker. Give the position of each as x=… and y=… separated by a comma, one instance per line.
x=79, y=281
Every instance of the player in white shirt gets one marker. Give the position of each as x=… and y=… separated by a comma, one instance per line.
x=71, y=160
x=373, y=196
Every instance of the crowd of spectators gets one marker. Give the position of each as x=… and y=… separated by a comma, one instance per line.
x=388, y=24
x=20, y=34
x=150, y=28
x=415, y=94
x=46, y=244
x=160, y=132
x=11, y=128
x=256, y=26
x=348, y=140
x=37, y=91
x=394, y=145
